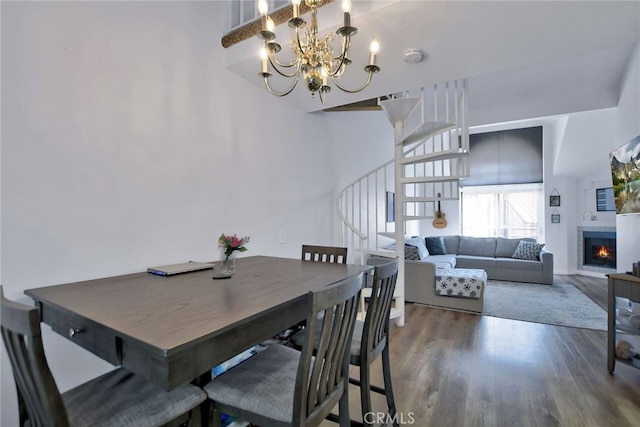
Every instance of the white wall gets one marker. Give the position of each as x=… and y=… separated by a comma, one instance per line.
x=126, y=143
x=628, y=127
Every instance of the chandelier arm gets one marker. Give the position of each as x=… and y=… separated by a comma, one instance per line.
x=341, y=58
x=302, y=52
x=335, y=81
x=273, y=92
x=294, y=74
x=323, y=97
x=274, y=61
x=345, y=50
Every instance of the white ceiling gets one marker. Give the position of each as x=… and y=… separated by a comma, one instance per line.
x=552, y=57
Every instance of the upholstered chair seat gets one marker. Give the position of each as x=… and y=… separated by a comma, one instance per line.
x=281, y=386
x=120, y=398
x=115, y=399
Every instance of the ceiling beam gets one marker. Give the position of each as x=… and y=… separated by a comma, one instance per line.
x=252, y=28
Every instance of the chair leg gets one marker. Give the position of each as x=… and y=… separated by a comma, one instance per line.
x=216, y=416
x=386, y=372
x=365, y=396
x=343, y=407
x=197, y=419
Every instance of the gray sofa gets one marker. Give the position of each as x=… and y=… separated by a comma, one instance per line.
x=495, y=255
x=492, y=254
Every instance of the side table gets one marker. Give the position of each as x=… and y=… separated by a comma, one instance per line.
x=623, y=286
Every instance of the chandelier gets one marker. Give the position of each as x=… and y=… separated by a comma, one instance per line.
x=315, y=61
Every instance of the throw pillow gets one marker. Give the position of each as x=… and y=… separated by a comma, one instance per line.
x=411, y=253
x=528, y=251
x=435, y=245
x=418, y=242
x=506, y=247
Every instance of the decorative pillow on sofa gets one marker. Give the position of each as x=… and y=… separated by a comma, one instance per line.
x=528, y=250
x=506, y=247
x=435, y=245
x=418, y=243
x=411, y=253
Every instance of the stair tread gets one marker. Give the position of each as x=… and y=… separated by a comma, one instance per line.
x=431, y=157
x=409, y=199
x=399, y=109
x=418, y=179
x=427, y=130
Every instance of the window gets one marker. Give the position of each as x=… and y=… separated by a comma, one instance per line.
x=509, y=211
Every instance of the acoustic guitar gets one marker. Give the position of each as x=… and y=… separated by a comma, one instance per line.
x=439, y=221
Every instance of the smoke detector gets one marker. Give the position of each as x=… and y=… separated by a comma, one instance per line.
x=412, y=56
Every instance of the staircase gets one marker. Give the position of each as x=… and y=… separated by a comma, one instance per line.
x=431, y=140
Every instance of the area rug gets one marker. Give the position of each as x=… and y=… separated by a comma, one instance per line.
x=562, y=304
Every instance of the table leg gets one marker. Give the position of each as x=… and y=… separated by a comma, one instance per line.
x=611, y=328
x=201, y=381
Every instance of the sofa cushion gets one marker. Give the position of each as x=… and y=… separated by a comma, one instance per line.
x=478, y=246
x=471, y=261
x=518, y=264
x=451, y=244
x=528, y=250
x=435, y=245
x=417, y=242
x=442, y=261
x=506, y=247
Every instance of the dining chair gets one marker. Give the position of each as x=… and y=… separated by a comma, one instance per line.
x=281, y=386
x=329, y=254
x=370, y=340
x=324, y=254
x=117, y=398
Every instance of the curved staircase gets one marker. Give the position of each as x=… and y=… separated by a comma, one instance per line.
x=430, y=158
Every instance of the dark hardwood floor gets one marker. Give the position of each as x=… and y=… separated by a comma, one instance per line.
x=458, y=369
x=593, y=287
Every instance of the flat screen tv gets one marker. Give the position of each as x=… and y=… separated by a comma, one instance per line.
x=625, y=173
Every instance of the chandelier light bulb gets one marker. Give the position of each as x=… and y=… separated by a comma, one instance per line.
x=270, y=25
x=374, y=48
x=263, y=7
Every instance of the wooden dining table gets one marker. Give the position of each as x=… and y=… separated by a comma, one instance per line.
x=175, y=329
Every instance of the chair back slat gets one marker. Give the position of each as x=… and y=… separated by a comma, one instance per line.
x=331, y=254
x=376, y=323
x=322, y=375
x=21, y=333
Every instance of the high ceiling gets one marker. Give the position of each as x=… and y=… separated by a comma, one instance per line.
x=554, y=56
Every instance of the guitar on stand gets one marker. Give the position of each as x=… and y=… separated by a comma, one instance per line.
x=439, y=221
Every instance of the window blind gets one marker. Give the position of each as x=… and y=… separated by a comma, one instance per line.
x=505, y=157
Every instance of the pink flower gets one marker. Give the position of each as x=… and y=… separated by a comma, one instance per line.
x=232, y=243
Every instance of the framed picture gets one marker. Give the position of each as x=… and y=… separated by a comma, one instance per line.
x=555, y=218
x=554, y=201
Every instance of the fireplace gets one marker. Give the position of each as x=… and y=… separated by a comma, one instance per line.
x=599, y=249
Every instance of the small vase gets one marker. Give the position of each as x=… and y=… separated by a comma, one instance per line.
x=228, y=263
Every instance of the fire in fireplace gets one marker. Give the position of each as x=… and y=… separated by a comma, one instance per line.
x=600, y=249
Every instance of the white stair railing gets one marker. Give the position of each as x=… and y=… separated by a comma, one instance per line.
x=430, y=160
